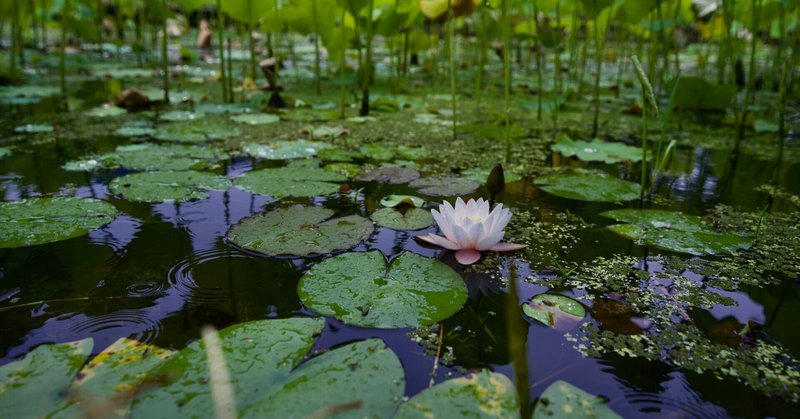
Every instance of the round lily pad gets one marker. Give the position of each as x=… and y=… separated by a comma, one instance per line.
x=348, y=170
x=255, y=118
x=483, y=394
x=675, y=231
x=392, y=201
x=33, y=128
x=411, y=219
x=129, y=131
x=444, y=186
x=194, y=132
x=589, y=187
x=562, y=397
x=299, y=231
x=167, y=186
x=282, y=150
x=4, y=152
x=150, y=157
x=378, y=151
x=554, y=310
x=36, y=221
x=181, y=116
x=106, y=111
x=292, y=180
x=479, y=174
x=359, y=289
x=411, y=153
x=338, y=154
x=597, y=150
x=393, y=175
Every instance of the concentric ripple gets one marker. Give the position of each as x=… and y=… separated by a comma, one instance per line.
x=136, y=324
x=209, y=287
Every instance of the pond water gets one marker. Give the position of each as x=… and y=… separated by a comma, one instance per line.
x=159, y=272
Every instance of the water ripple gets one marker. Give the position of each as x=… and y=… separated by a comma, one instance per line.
x=137, y=324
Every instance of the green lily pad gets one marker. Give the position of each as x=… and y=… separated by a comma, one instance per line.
x=181, y=116
x=309, y=115
x=255, y=118
x=597, y=150
x=218, y=109
x=135, y=132
x=150, y=157
x=338, y=154
x=392, y=201
x=195, y=132
x=116, y=374
x=378, y=151
x=4, y=152
x=282, y=150
x=28, y=91
x=554, y=310
x=562, y=399
x=359, y=289
x=361, y=119
x=444, y=186
x=292, y=180
x=479, y=174
x=277, y=345
x=411, y=219
x=33, y=129
x=412, y=153
x=764, y=126
x=365, y=371
x=299, y=231
x=106, y=111
x=483, y=394
x=327, y=132
x=34, y=386
x=167, y=186
x=348, y=170
x=389, y=174
x=589, y=187
x=675, y=231
x=36, y=221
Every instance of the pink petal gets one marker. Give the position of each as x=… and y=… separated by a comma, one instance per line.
x=467, y=256
x=507, y=247
x=438, y=241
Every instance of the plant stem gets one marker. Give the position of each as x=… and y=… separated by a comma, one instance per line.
x=751, y=76
x=342, y=64
x=539, y=62
x=251, y=42
x=451, y=23
x=506, y=78
x=516, y=343
x=221, y=38
x=62, y=64
x=164, y=60
x=599, y=67
x=368, y=65
x=315, y=23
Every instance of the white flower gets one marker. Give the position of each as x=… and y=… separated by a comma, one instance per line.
x=471, y=229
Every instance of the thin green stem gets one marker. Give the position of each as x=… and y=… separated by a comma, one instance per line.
x=451, y=23
x=221, y=38
x=164, y=58
x=506, y=78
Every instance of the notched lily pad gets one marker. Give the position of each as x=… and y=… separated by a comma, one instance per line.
x=393, y=175
x=597, y=150
x=483, y=394
x=444, y=186
x=296, y=179
x=282, y=150
x=36, y=221
x=554, y=310
x=255, y=118
x=299, y=231
x=675, y=231
x=167, y=186
x=588, y=187
x=392, y=201
x=34, y=386
x=410, y=219
x=480, y=175
x=562, y=399
x=359, y=289
x=150, y=157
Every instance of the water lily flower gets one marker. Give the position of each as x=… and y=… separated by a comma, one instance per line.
x=469, y=228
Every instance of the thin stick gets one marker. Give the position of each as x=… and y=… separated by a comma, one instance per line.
x=219, y=379
x=438, y=354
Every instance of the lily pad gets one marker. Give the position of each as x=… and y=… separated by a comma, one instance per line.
x=389, y=174
x=597, y=150
x=4, y=152
x=326, y=132
x=167, y=186
x=554, y=310
x=181, y=116
x=589, y=187
x=480, y=175
x=359, y=289
x=299, y=231
x=218, y=109
x=33, y=129
x=282, y=150
x=675, y=231
x=277, y=345
x=116, y=374
x=412, y=153
x=338, y=154
x=34, y=386
x=36, y=221
x=411, y=219
x=348, y=170
x=106, y=111
x=444, y=186
x=150, y=157
x=562, y=399
x=392, y=201
x=28, y=91
x=378, y=151
x=483, y=394
x=195, y=132
x=135, y=132
x=292, y=180
x=255, y=118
